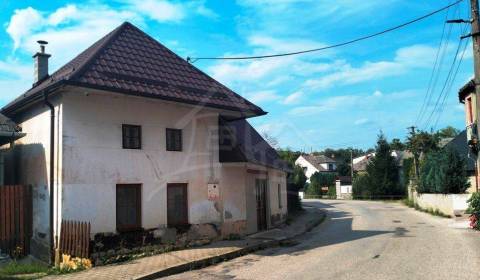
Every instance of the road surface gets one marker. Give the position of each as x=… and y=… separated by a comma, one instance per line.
x=363, y=240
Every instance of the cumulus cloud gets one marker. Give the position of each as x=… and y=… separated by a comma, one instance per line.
x=22, y=23
x=406, y=59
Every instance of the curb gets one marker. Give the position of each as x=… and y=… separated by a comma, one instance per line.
x=227, y=256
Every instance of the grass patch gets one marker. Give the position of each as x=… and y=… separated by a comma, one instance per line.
x=14, y=270
x=435, y=212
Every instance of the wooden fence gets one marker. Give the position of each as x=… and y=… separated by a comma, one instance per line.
x=15, y=219
x=75, y=238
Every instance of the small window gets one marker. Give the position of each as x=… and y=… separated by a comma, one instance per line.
x=128, y=204
x=174, y=139
x=132, y=136
x=330, y=167
x=279, y=196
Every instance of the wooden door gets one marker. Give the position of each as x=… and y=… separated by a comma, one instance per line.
x=177, y=205
x=261, y=199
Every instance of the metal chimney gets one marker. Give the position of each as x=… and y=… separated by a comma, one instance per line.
x=41, y=63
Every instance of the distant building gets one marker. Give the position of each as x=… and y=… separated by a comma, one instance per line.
x=316, y=163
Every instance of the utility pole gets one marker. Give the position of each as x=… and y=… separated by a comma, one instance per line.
x=415, y=152
x=475, y=24
x=474, y=33
x=351, y=163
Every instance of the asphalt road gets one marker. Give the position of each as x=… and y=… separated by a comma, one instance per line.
x=363, y=240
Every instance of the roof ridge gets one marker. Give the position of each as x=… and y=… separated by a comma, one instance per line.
x=98, y=49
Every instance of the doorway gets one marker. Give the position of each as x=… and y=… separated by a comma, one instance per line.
x=261, y=202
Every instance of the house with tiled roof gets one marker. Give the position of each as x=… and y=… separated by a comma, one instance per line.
x=316, y=163
x=128, y=136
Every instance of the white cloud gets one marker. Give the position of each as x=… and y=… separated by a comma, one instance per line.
x=293, y=98
x=63, y=15
x=22, y=23
x=377, y=93
x=361, y=121
x=407, y=58
x=159, y=10
x=271, y=71
x=263, y=96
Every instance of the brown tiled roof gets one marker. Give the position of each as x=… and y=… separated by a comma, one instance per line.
x=240, y=142
x=318, y=160
x=468, y=88
x=129, y=61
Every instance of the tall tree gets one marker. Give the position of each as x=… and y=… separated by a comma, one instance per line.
x=397, y=145
x=447, y=132
x=382, y=171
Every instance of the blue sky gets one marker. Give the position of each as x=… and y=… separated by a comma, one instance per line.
x=337, y=98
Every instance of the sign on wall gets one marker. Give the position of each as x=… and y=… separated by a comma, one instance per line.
x=213, y=192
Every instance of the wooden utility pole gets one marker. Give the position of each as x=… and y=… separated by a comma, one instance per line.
x=475, y=24
x=351, y=163
x=415, y=153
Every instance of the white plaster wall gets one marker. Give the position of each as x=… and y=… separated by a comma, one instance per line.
x=34, y=161
x=449, y=204
x=276, y=177
x=309, y=168
x=232, y=190
x=94, y=161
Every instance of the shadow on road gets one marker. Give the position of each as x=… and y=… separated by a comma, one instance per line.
x=335, y=230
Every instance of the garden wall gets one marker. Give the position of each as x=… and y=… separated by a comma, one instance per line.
x=449, y=204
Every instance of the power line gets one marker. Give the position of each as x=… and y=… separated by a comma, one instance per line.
x=442, y=91
x=434, y=70
x=194, y=59
x=442, y=107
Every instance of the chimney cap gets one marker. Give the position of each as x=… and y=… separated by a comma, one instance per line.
x=42, y=42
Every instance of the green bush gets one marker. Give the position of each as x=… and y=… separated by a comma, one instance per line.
x=443, y=171
x=474, y=210
x=319, y=180
x=361, y=187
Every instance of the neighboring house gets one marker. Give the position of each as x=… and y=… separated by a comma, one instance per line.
x=360, y=163
x=467, y=96
x=130, y=136
x=459, y=144
x=316, y=163
x=9, y=132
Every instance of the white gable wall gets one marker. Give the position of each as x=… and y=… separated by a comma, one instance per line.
x=309, y=168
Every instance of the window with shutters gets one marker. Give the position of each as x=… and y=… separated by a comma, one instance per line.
x=174, y=139
x=131, y=136
x=129, y=207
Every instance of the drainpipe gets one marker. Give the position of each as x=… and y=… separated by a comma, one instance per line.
x=51, y=174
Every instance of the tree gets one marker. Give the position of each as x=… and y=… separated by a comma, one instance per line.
x=422, y=142
x=397, y=145
x=447, y=132
x=319, y=180
x=271, y=140
x=383, y=171
x=382, y=177
x=443, y=171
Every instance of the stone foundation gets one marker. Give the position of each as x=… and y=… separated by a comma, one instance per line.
x=234, y=228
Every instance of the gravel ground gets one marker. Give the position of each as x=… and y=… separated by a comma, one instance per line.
x=363, y=240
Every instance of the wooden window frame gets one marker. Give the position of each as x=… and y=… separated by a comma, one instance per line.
x=138, y=209
x=171, y=146
x=126, y=145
